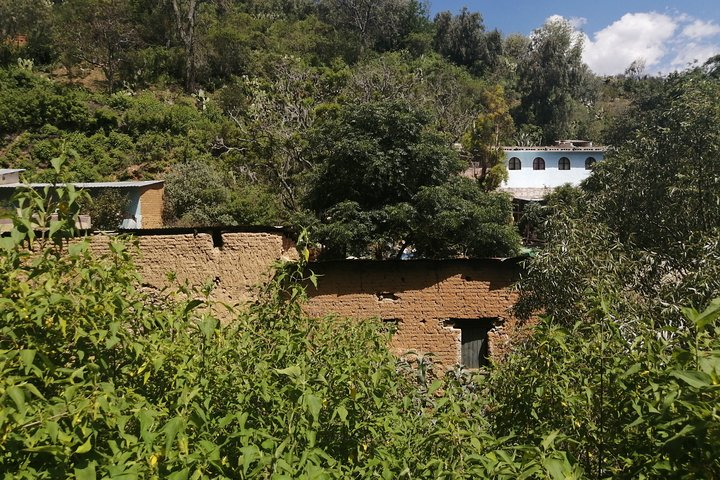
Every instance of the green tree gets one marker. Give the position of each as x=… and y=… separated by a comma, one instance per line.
x=552, y=80
x=462, y=39
x=377, y=24
x=98, y=32
x=669, y=165
x=377, y=154
x=460, y=219
x=646, y=226
x=198, y=193
x=386, y=184
x=482, y=144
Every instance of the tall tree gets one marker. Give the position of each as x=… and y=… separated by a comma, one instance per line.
x=99, y=32
x=482, y=143
x=552, y=78
x=377, y=153
x=382, y=24
x=462, y=39
x=186, y=22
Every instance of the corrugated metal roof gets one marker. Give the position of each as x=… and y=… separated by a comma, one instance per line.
x=130, y=184
x=5, y=171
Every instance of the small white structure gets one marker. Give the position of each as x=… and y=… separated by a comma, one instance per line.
x=535, y=171
x=145, y=198
x=10, y=175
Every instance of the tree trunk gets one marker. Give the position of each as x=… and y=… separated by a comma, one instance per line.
x=186, y=30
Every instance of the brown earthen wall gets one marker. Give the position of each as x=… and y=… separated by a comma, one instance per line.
x=151, y=204
x=234, y=262
x=422, y=297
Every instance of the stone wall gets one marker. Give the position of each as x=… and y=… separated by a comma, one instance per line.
x=234, y=261
x=424, y=298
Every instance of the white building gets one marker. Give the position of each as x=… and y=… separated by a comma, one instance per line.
x=535, y=171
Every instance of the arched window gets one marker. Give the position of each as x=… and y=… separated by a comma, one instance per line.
x=564, y=163
x=538, y=164
x=589, y=162
x=514, y=164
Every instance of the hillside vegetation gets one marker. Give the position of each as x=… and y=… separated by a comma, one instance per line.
x=250, y=109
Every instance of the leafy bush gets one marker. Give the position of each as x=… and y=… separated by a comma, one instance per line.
x=29, y=101
x=640, y=406
x=99, y=378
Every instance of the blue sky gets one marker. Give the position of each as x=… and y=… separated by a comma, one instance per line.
x=665, y=34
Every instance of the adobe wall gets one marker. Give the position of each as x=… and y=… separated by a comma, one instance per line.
x=421, y=297
x=151, y=203
x=234, y=262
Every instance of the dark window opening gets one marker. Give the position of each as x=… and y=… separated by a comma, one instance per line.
x=539, y=164
x=514, y=164
x=474, y=349
x=589, y=162
x=217, y=239
x=564, y=163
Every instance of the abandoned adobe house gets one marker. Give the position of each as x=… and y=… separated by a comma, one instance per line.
x=145, y=198
x=457, y=309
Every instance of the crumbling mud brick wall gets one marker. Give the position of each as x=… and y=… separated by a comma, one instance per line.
x=151, y=204
x=424, y=298
x=235, y=262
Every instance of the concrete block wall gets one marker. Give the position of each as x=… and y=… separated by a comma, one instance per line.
x=422, y=297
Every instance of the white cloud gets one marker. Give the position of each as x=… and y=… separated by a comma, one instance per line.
x=636, y=36
x=663, y=42
x=693, y=53
x=577, y=22
x=701, y=29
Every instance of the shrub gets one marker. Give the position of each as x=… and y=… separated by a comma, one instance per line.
x=101, y=379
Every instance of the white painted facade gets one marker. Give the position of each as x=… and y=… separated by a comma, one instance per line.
x=552, y=176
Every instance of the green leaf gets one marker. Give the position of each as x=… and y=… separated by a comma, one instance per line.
x=87, y=473
x=708, y=316
x=556, y=468
x=314, y=405
x=693, y=378
x=292, y=371
x=18, y=396
x=549, y=441
x=192, y=305
x=435, y=386
x=181, y=475
x=171, y=430
x=27, y=357
x=342, y=413
x=85, y=447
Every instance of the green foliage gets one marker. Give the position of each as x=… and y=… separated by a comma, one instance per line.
x=100, y=378
x=107, y=209
x=29, y=101
x=198, y=193
x=552, y=80
x=459, y=219
x=645, y=227
x=669, y=167
x=482, y=144
x=629, y=406
x=462, y=39
x=375, y=154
